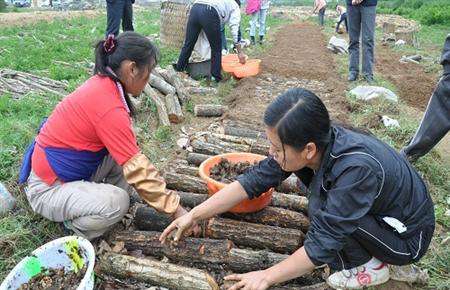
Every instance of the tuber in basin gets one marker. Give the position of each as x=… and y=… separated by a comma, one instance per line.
x=214, y=186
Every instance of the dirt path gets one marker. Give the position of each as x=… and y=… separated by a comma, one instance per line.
x=414, y=85
x=298, y=58
x=25, y=18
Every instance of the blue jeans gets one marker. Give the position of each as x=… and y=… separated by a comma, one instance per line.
x=116, y=11
x=322, y=16
x=361, y=23
x=259, y=16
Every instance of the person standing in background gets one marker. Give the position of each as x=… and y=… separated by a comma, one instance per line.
x=435, y=123
x=224, y=38
x=361, y=22
x=116, y=11
x=258, y=9
x=320, y=7
x=342, y=18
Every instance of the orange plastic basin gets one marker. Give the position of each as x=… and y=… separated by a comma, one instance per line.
x=249, y=69
x=229, y=67
x=214, y=186
x=230, y=58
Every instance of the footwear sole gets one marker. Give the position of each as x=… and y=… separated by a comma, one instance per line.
x=363, y=287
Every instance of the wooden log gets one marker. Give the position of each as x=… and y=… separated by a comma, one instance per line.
x=281, y=240
x=161, y=85
x=171, y=76
x=148, y=218
x=185, y=169
x=408, y=35
x=274, y=216
x=191, y=200
x=258, y=236
x=174, y=109
x=257, y=146
x=242, y=132
x=209, y=110
x=184, y=182
x=196, y=158
x=159, y=273
x=289, y=185
x=208, y=252
x=201, y=91
x=160, y=105
x=290, y=201
x=202, y=147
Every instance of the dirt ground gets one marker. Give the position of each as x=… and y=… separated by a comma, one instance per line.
x=414, y=85
x=25, y=18
x=297, y=58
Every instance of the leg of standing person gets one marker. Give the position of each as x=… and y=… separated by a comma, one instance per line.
x=354, y=32
x=114, y=12
x=253, y=27
x=192, y=31
x=224, y=38
x=435, y=122
x=322, y=16
x=368, y=14
x=89, y=207
x=210, y=22
x=262, y=24
x=127, y=21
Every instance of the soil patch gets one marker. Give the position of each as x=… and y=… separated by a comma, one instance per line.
x=55, y=279
x=226, y=172
x=297, y=58
x=413, y=84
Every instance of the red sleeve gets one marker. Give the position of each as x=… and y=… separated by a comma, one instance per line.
x=115, y=131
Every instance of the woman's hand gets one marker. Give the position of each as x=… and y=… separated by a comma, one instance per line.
x=184, y=224
x=257, y=280
x=242, y=58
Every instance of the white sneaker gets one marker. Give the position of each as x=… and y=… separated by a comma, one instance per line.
x=371, y=273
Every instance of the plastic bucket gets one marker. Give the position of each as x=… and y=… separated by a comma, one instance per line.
x=214, y=186
x=249, y=69
x=71, y=253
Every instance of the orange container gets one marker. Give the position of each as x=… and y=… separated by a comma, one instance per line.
x=249, y=69
x=214, y=186
x=230, y=58
x=229, y=67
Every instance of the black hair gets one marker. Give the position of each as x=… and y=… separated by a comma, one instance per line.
x=127, y=46
x=299, y=117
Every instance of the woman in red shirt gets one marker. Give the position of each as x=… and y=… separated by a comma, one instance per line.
x=85, y=156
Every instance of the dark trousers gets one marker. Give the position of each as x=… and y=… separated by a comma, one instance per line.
x=116, y=11
x=322, y=16
x=204, y=17
x=375, y=238
x=435, y=123
x=361, y=23
x=342, y=19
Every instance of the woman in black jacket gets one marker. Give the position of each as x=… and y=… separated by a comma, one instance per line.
x=368, y=207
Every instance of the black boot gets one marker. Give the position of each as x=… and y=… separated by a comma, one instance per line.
x=261, y=39
x=252, y=40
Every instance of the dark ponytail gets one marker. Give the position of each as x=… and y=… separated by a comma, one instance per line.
x=299, y=117
x=127, y=46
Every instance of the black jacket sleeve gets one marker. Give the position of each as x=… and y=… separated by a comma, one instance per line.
x=351, y=197
x=261, y=177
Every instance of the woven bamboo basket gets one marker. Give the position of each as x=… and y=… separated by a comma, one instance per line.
x=174, y=16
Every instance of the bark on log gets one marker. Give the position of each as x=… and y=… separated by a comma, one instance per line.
x=389, y=27
x=191, y=200
x=213, y=146
x=186, y=169
x=208, y=252
x=161, y=85
x=174, y=109
x=201, y=91
x=274, y=216
x=160, y=105
x=281, y=240
x=186, y=183
x=258, y=236
x=196, y=158
x=160, y=273
x=171, y=76
x=291, y=185
x=290, y=201
x=242, y=132
x=209, y=110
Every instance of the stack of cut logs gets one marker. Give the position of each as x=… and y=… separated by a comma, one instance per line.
x=229, y=243
x=19, y=83
x=170, y=91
